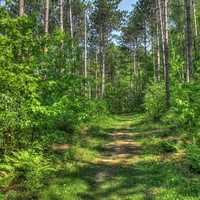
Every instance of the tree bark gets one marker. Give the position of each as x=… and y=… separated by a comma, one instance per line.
x=134, y=65
x=160, y=13
x=61, y=16
x=195, y=17
x=163, y=15
x=188, y=40
x=158, y=63
x=103, y=57
x=96, y=75
x=46, y=17
x=166, y=53
x=85, y=54
x=21, y=8
x=139, y=71
x=103, y=72
x=195, y=29
x=145, y=37
x=71, y=20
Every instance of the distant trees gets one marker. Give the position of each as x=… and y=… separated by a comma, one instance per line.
x=164, y=21
x=160, y=39
x=105, y=18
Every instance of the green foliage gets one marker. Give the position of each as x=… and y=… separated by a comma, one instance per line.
x=26, y=169
x=185, y=109
x=41, y=91
x=154, y=101
x=167, y=146
x=123, y=99
x=193, y=157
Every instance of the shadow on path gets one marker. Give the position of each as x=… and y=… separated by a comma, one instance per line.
x=125, y=170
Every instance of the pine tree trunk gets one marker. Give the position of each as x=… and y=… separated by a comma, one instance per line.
x=158, y=64
x=21, y=8
x=96, y=75
x=71, y=20
x=46, y=20
x=103, y=57
x=85, y=54
x=103, y=72
x=188, y=40
x=163, y=15
x=46, y=17
x=139, y=71
x=134, y=65
x=131, y=75
x=195, y=17
x=145, y=37
x=61, y=16
x=160, y=12
x=166, y=53
x=195, y=28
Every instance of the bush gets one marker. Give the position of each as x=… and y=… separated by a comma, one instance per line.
x=193, y=157
x=185, y=109
x=26, y=170
x=154, y=101
x=167, y=146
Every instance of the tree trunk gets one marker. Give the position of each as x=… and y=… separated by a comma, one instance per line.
x=139, y=71
x=195, y=17
x=157, y=47
x=61, y=16
x=195, y=28
x=96, y=75
x=163, y=15
x=145, y=37
x=103, y=57
x=160, y=12
x=71, y=19
x=157, y=58
x=131, y=75
x=46, y=20
x=166, y=53
x=134, y=65
x=46, y=17
x=85, y=54
x=103, y=72
x=188, y=40
x=21, y=8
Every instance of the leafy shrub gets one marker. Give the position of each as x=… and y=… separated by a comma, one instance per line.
x=185, y=109
x=38, y=95
x=26, y=169
x=167, y=146
x=193, y=157
x=154, y=101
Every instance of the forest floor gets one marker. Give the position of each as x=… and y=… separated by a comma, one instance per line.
x=127, y=159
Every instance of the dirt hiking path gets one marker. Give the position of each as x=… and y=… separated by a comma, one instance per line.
x=131, y=166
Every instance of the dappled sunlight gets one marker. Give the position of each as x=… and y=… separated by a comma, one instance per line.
x=127, y=168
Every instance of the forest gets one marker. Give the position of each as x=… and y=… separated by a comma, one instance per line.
x=99, y=103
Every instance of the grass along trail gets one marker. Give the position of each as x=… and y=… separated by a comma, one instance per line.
x=134, y=160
